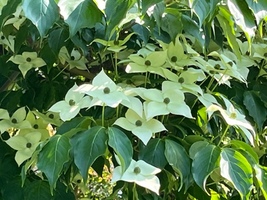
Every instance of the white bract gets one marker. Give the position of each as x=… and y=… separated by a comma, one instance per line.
x=70, y=107
x=139, y=172
x=74, y=59
x=169, y=100
x=103, y=91
x=17, y=18
x=139, y=125
x=25, y=145
x=27, y=61
x=17, y=120
x=234, y=118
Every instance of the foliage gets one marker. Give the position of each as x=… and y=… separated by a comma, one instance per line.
x=133, y=99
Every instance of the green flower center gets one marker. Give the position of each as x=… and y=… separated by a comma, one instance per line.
x=29, y=145
x=28, y=59
x=72, y=58
x=116, y=42
x=137, y=170
x=78, y=181
x=71, y=102
x=14, y=121
x=181, y=80
x=230, y=63
x=138, y=123
x=233, y=115
x=35, y=126
x=106, y=90
x=20, y=16
x=51, y=116
x=147, y=63
x=174, y=59
x=166, y=100
x=3, y=37
x=217, y=66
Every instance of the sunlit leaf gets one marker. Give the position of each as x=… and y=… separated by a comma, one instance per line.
x=153, y=153
x=121, y=145
x=204, y=162
x=89, y=145
x=79, y=14
x=255, y=108
x=42, y=13
x=179, y=160
x=115, y=12
x=236, y=169
x=261, y=176
x=52, y=158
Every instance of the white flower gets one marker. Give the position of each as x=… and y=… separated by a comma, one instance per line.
x=104, y=91
x=234, y=118
x=141, y=173
x=17, y=18
x=17, y=120
x=27, y=60
x=70, y=107
x=74, y=59
x=25, y=145
x=169, y=100
x=7, y=41
x=140, y=126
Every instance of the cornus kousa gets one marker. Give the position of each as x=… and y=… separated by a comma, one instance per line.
x=103, y=91
x=139, y=172
x=25, y=145
x=17, y=120
x=70, y=107
x=74, y=59
x=27, y=61
x=139, y=125
x=169, y=100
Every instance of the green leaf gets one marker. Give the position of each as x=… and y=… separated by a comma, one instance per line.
x=88, y=146
x=38, y=190
x=172, y=24
x=237, y=144
x=243, y=17
x=226, y=23
x=255, y=108
x=42, y=13
x=148, y=3
x=204, y=162
x=122, y=146
x=261, y=176
x=204, y=9
x=196, y=147
x=179, y=160
x=115, y=12
x=79, y=14
x=57, y=39
x=52, y=158
x=153, y=153
x=259, y=9
x=7, y=10
x=191, y=27
x=236, y=169
x=70, y=128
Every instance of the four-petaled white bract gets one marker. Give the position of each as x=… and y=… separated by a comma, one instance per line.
x=25, y=145
x=27, y=61
x=140, y=126
x=70, y=107
x=139, y=172
x=103, y=91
